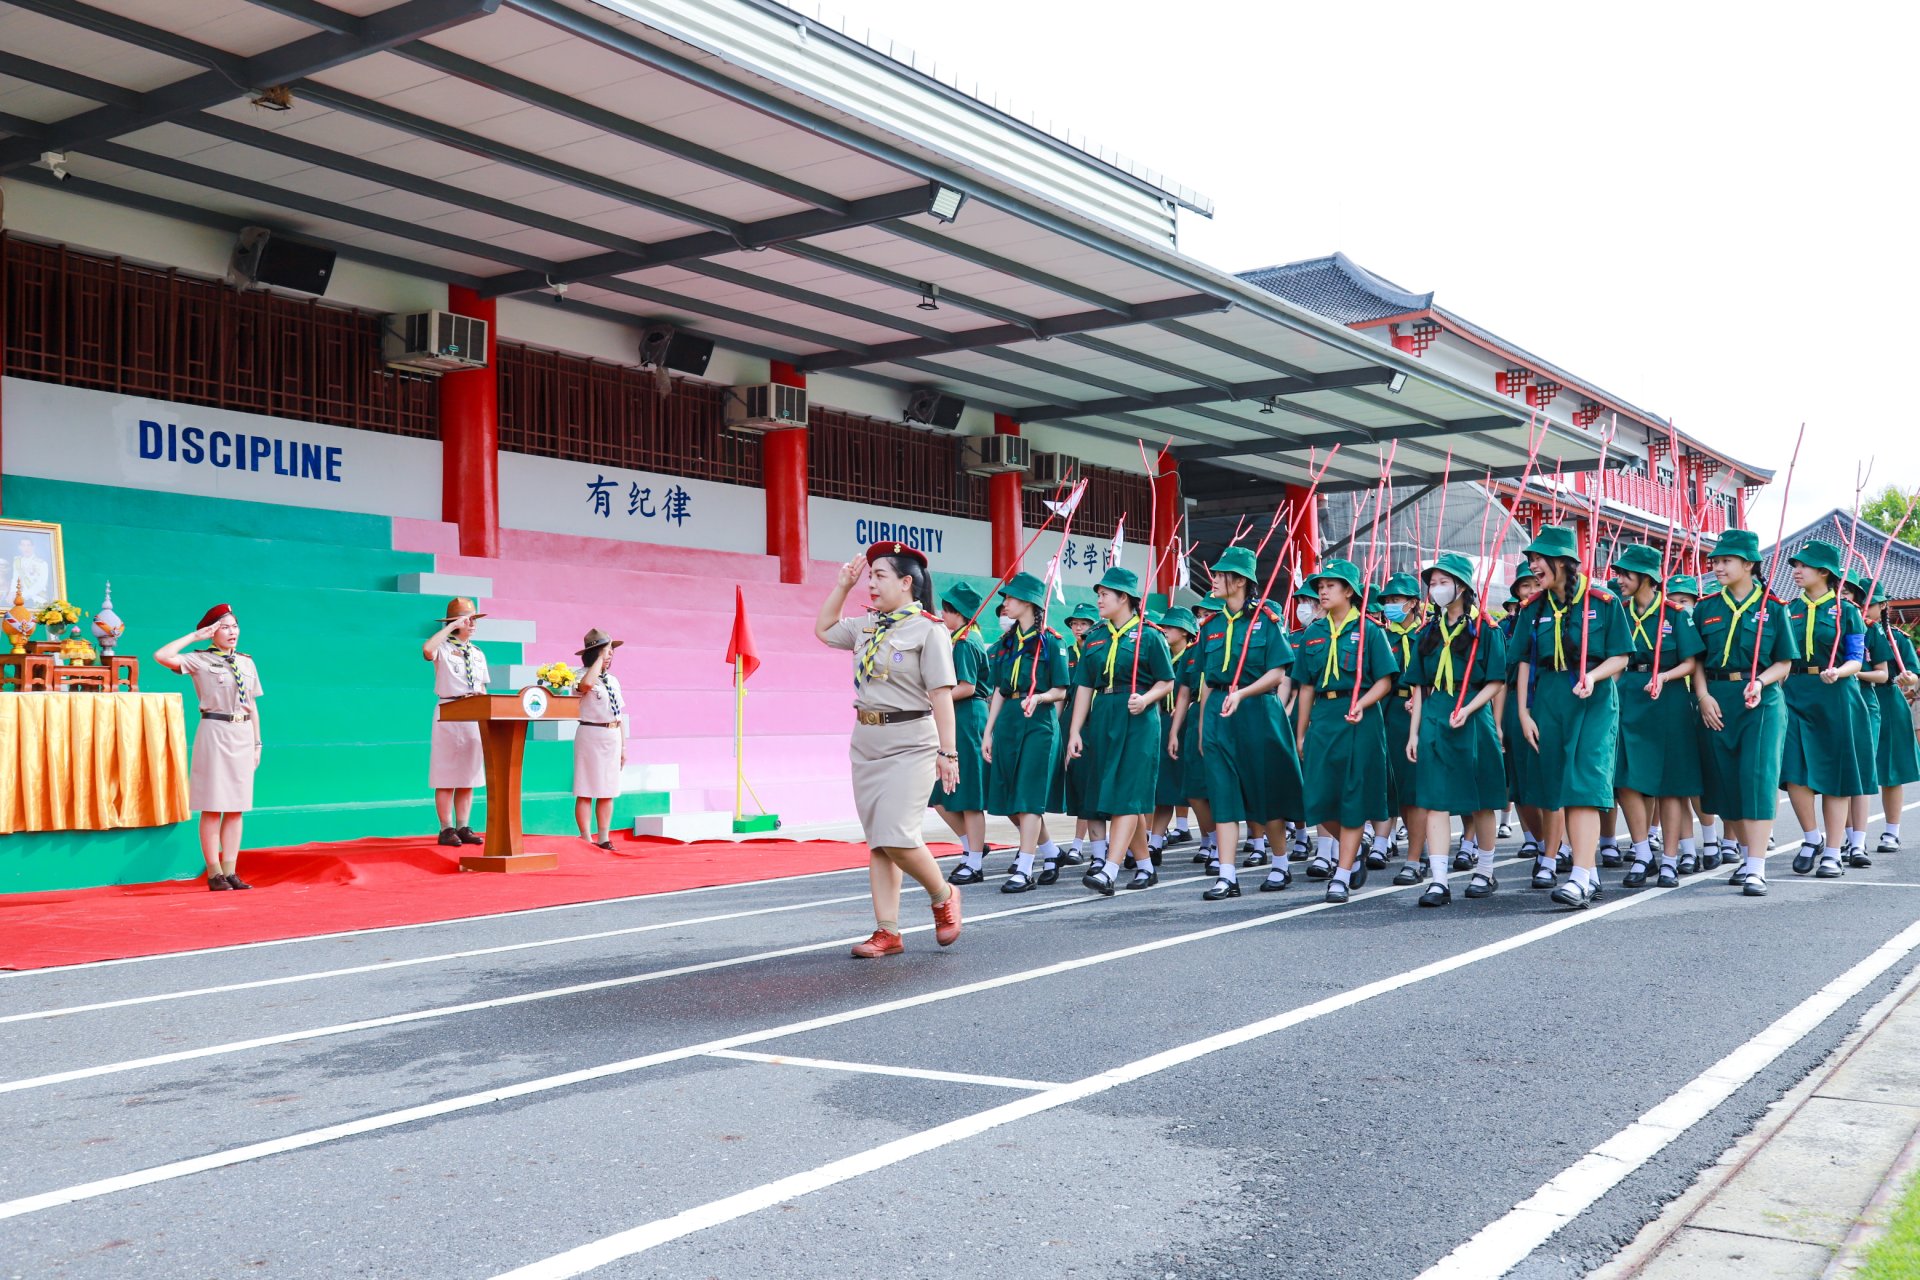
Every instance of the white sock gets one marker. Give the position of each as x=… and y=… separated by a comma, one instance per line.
x=1209, y=842
x=1329, y=848
x=1156, y=843
x=1381, y=844
x=1643, y=851
x=1544, y=860
x=1076, y=844
x=1179, y=827
x=1892, y=824
x=1854, y=837
x=1023, y=864
x=1586, y=876
x=1529, y=837
x=1607, y=842
x=1566, y=850
x=1110, y=869
x=1669, y=863
x=1828, y=851
x=1469, y=845
x=1712, y=832
x=1815, y=838
x=1344, y=876
x=970, y=859
x=1259, y=844
x=1099, y=850
x=1438, y=864
x=1686, y=846
x=1485, y=864
x=1229, y=872
x=1755, y=866
x=1654, y=832
x=1049, y=852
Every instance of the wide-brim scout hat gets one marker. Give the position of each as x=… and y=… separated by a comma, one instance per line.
x=1211, y=604
x=1124, y=581
x=1815, y=554
x=596, y=638
x=1683, y=584
x=1401, y=584
x=1180, y=618
x=1337, y=571
x=1638, y=557
x=1743, y=544
x=460, y=606
x=1524, y=571
x=1305, y=591
x=879, y=549
x=1555, y=540
x=962, y=598
x=1454, y=565
x=1083, y=613
x=1238, y=560
x=1024, y=586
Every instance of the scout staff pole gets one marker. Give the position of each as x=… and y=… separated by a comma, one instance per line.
x=1073, y=500
x=1766, y=586
x=1153, y=570
x=1293, y=525
x=1593, y=546
x=1839, y=588
x=1046, y=599
x=1366, y=585
x=1486, y=574
x=1666, y=556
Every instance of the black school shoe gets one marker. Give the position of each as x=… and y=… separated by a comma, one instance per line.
x=1669, y=878
x=469, y=836
x=1072, y=857
x=964, y=874
x=1221, y=889
x=1754, y=887
x=1636, y=877
x=1375, y=860
x=1049, y=873
x=1543, y=877
x=1277, y=879
x=1143, y=880
x=1017, y=883
x=1178, y=836
x=1437, y=895
x=1482, y=885
x=1411, y=873
x=1574, y=894
x=1563, y=865
x=1359, y=877
x=1688, y=863
x=1098, y=882
x=1319, y=869
x=1858, y=858
x=1803, y=861
x=1299, y=851
x=1889, y=843
x=449, y=837
x=1610, y=855
x=1830, y=869
x=1336, y=893
x=1464, y=860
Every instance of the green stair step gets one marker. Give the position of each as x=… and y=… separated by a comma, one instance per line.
x=72, y=504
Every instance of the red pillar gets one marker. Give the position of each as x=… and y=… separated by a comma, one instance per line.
x=1166, y=519
x=1304, y=549
x=470, y=437
x=1003, y=506
x=783, y=463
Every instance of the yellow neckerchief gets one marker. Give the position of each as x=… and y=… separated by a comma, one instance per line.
x=1226, y=655
x=1813, y=610
x=1733, y=623
x=1443, y=676
x=1113, y=644
x=1639, y=620
x=1020, y=639
x=882, y=624
x=1406, y=632
x=1334, y=630
x=464, y=651
x=1581, y=586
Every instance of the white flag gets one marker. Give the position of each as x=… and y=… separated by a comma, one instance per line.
x=1053, y=578
x=1182, y=575
x=1119, y=540
x=1067, y=507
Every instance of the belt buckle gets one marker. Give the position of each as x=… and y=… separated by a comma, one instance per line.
x=867, y=717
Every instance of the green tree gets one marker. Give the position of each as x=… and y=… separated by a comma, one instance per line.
x=1884, y=513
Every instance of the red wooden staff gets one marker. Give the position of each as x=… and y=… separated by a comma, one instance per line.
x=1593, y=547
x=1366, y=585
x=1440, y=519
x=1046, y=599
x=1766, y=586
x=1849, y=538
x=1486, y=573
x=1072, y=504
x=1666, y=558
x=1293, y=525
x=1884, y=548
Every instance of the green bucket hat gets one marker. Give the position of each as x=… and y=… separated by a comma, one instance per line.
x=1454, y=565
x=1181, y=618
x=962, y=598
x=1637, y=557
x=1305, y=591
x=1238, y=560
x=1816, y=554
x=1211, y=604
x=1555, y=540
x=1524, y=571
x=1683, y=584
x=1084, y=613
x=1024, y=586
x=1743, y=544
x=1338, y=571
x=1125, y=581
x=1402, y=584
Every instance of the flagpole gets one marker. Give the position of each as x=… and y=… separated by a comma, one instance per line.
x=739, y=735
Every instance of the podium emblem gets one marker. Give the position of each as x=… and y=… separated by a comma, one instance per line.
x=533, y=701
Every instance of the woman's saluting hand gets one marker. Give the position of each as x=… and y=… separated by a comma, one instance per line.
x=850, y=572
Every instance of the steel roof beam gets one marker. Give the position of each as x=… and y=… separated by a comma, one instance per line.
x=1204, y=395
x=1499, y=473
x=1370, y=435
x=233, y=76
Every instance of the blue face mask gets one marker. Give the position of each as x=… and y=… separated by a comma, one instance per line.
x=1395, y=612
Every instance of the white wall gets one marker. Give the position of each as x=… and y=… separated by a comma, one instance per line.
x=593, y=501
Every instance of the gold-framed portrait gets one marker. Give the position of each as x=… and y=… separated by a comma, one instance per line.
x=32, y=556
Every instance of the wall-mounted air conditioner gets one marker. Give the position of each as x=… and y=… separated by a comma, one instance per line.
x=434, y=342
x=767, y=407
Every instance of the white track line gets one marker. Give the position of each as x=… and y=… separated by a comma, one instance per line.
x=1507, y=1241
x=650, y=1235
x=353, y=970
x=547, y=1084
x=878, y=1069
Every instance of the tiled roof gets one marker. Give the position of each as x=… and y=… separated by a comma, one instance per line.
x=1338, y=288
x=1900, y=573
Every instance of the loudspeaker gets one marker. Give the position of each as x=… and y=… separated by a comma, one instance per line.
x=664, y=346
x=935, y=408
x=261, y=257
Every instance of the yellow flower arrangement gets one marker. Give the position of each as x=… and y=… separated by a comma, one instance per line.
x=58, y=612
x=557, y=676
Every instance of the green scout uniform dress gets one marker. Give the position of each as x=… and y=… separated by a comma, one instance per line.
x=1345, y=774
x=969, y=724
x=1740, y=765
x=1899, y=754
x=1579, y=737
x=1459, y=770
x=1069, y=792
x=1193, y=774
x=1248, y=759
x=1172, y=789
x=1659, y=746
x=1025, y=748
x=1828, y=748
x=1397, y=711
x=1878, y=651
x=1122, y=750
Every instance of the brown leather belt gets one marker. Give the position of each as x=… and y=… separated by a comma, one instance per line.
x=864, y=716
x=598, y=724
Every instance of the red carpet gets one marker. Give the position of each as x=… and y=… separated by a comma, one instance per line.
x=331, y=888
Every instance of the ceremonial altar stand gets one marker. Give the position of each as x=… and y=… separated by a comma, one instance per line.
x=503, y=720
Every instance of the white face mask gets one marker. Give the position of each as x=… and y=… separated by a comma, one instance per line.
x=1443, y=592
x=1304, y=612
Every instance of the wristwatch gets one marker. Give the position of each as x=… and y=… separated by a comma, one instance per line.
x=950, y=755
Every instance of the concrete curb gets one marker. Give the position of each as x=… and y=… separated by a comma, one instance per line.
x=1873, y=1219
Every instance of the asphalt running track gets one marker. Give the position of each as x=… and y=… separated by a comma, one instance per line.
x=703, y=1084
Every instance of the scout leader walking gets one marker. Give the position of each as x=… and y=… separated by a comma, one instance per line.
x=226, y=745
x=903, y=735
x=1657, y=772
x=1830, y=753
x=964, y=808
x=1743, y=710
x=1247, y=757
x=1340, y=734
x=1022, y=743
x=1116, y=722
x=456, y=764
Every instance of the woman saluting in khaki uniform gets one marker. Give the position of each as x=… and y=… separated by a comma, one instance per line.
x=903, y=735
x=226, y=746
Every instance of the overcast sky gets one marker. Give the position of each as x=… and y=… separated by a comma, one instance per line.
x=1707, y=209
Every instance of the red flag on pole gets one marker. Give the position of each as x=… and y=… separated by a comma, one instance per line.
x=740, y=643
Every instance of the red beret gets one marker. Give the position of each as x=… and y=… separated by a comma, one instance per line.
x=879, y=549
x=214, y=614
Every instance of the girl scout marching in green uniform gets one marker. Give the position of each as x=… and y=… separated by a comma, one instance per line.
x=1873, y=674
x=1069, y=791
x=1183, y=736
x=1457, y=666
x=1180, y=629
x=1899, y=754
x=1658, y=769
x=1340, y=735
x=1743, y=710
x=964, y=809
x=1117, y=725
x=1520, y=755
x=1252, y=774
x=1571, y=717
x=1827, y=744
x=1029, y=680
x=1683, y=592
x=1402, y=618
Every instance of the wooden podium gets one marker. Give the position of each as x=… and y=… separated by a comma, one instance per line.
x=503, y=720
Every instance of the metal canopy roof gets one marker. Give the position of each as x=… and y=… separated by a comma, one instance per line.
x=738, y=169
